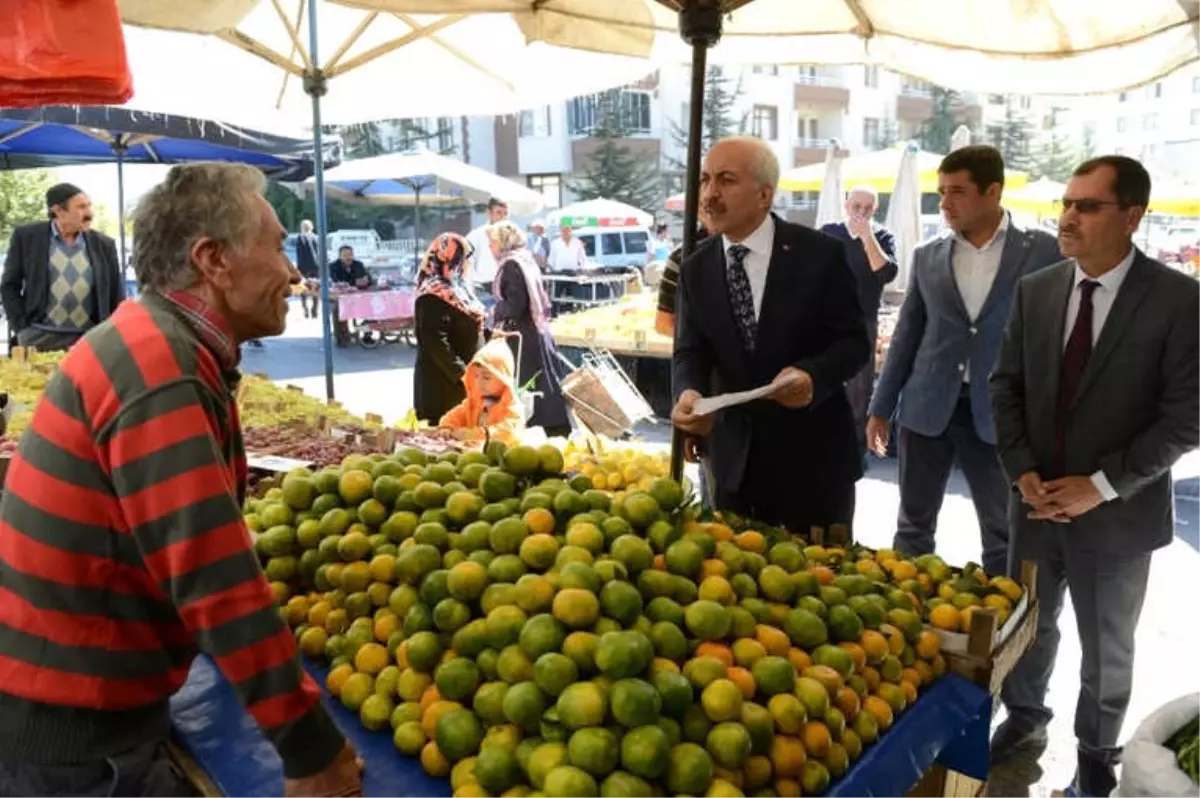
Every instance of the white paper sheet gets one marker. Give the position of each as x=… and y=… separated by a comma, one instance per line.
x=711, y=404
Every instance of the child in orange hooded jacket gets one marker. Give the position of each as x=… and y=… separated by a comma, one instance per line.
x=491, y=408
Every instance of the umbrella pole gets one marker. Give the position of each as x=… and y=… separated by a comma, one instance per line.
x=314, y=87
x=417, y=221
x=700, y=26
x=119, y=149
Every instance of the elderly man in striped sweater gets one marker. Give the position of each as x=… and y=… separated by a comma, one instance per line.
x=122, y=547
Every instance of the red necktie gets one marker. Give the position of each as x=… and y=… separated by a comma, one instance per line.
x=1075, y=359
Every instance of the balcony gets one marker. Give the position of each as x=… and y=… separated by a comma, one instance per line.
x=914, y=106
x=821, y=92
x=810, y=151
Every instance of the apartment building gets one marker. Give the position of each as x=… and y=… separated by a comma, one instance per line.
x=797, y=110
x=1159, y=124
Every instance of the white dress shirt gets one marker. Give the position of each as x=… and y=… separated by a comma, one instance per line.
x=567, y=256
x=975, y=270
x=757, y=260
x=1102, y=301
x=483, y=269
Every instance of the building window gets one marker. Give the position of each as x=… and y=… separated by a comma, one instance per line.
x=549, y=186
x=807, y=75
x=1154, y=91
x=765, y=69
x=808, y=131
x=535, y=123
x=1123, y=97
x=1026, y=102
x=871, y=77
x=764, y=122
x=1122, y=123
x=871, y=129
x=1196, y=85
x=633, y=105
x=1150, y=122
x=996, y=136
x=996, y=99
x=445, y=133
x=1195, y=118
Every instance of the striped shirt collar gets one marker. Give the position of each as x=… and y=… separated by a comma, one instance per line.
x=212, y=328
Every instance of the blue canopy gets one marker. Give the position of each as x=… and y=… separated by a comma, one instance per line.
x=68, y=135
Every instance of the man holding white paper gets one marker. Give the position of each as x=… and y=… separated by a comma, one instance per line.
x=769, y=308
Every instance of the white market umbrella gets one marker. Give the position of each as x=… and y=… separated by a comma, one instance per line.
x=832, y=198
x=420, y=178
x=904, y=210
x=961, y=138
x=599, y=213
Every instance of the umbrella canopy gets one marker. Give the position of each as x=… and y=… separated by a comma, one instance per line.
x=426, y=178
x=70, y=134
x=379, y=60
x=1042, y=197
x=599, y=213
x=878, y=170
x=904, y=210
x=833, y=192
x=1011, y=46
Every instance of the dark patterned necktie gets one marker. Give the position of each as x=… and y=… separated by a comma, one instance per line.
x=1074, y=362
x=740, y=295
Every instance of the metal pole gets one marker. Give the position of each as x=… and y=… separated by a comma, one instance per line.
x=700, y=26
x=119, y=149
x=417, y=220
x=314, y=86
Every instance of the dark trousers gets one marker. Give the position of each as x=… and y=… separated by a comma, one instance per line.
x=1107, y=592
x=858, y=393
x=310, y=303
x=142, y=771
x=925, y=464
x=772, y=495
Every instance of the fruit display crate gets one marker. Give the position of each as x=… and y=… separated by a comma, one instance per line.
x=641, y=345
x=223, y=752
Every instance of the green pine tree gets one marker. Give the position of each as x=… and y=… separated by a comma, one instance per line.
x=938, y=129
x=1016, y=138
x=22, y=199
x=612, y=170
x=719, y=118
x=367, y=140
x=1057, y=158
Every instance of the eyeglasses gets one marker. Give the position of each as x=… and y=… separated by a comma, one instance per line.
x=1086, y=205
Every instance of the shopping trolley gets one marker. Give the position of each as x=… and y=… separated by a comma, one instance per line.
x=602, y=396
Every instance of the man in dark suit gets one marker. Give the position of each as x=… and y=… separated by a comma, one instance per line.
x=764, y=301
x=871, y=256
x=60, y=278
x=309, y=265
x=934, y=380
x=1096, y=395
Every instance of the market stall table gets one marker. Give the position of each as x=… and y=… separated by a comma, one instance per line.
x=225, y=750
x=377, y=315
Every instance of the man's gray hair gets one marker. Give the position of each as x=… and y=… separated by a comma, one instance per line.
x=306, y=226
x=214, y=200
x=865, y=190
x=764, y=164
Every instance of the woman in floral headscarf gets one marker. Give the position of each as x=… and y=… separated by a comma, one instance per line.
x=449, y=325
x=522, y=307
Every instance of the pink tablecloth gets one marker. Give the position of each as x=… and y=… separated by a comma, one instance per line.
x=377, y=305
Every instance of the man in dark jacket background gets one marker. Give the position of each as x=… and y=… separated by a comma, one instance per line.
x=308, y=264
x=60, y=277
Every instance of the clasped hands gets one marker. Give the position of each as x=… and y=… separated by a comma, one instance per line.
x=1058, y=500
x=794, y=390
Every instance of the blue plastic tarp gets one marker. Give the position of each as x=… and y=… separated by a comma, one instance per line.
x=949, y=725
x=61, y=135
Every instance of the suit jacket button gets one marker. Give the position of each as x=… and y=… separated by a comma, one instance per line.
x=962, y=367
x=974, y=330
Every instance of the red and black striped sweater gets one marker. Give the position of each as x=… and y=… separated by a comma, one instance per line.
x=123, y=552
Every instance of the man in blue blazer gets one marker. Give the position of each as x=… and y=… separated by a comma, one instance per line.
x=935, y=378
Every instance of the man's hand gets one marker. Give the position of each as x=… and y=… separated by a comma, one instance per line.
x=343, y=777
x=795, y=388
x=1033, y=493
x=879, y=433
x=859, y=227
x=1072, y=496
x=683, y=417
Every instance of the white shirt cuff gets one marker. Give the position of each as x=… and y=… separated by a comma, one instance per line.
x=1104, y=486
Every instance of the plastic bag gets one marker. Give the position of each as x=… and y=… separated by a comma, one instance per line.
x=63, y=52
x=1148, y=767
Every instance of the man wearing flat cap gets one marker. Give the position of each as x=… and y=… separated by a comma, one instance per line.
x=60, y=278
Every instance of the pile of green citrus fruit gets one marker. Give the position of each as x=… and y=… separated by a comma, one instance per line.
x=525, y=634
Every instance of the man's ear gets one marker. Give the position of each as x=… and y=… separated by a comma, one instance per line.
x=208, y=257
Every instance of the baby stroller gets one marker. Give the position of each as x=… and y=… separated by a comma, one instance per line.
x=525, y=393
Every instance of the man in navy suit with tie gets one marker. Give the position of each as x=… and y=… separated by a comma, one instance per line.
x=764, y=301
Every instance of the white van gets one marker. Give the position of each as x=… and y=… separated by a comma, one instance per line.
x=616, y=246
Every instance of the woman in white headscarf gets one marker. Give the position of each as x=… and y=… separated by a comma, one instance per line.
x=523, y=307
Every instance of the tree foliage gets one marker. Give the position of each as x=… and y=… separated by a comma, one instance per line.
x=1016, y=139
x=613, y=171
x=22, y=199
x=938, y=129
x=719, y=118
x=1058, y=155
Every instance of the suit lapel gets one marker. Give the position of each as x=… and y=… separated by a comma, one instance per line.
x=776, y=294
x=716, y=297
x=945, y=265
x=1129, y=297
x=1012, y=259
x=1055, y=308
